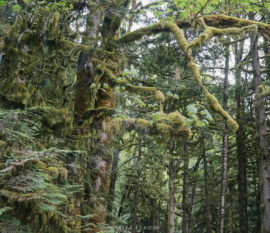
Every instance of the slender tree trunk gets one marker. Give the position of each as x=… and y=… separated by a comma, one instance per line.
x=137, y=187
x=112, y=185
x=124, y=197
x=241, y=157
x=225, y=147
x=185, y=203
x=264, y=162
x=171, y=191
x=207, y=206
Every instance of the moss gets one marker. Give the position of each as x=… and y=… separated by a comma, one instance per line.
x=18, y=93
x=164, y=130
x=142, y=125
x=2, y=143
x=53, y=171
x=116, y=125
x=183, y=43
x=184, y=132
x=2, y=166
x=175, y=119
x=210, y=32
x=216, y=107
x=160, y=96
x=263, y=91
x=146, y=91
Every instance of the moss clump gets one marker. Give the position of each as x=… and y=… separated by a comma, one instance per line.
x=263, y=91
x=164, y=130
x=160, y=96
x=18, y=93
x=116, y=125
x=175, y=119
x=142, y=124
x=53, y=171
x=184, y=132
x=2, y=166
x=2, y=143
x=59, y=173
x=146, y=91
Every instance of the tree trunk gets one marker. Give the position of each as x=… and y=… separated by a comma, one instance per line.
x=241, y=157
x=207, y=206
x=171, y=191
x=185, y=203
x=264, y=163
x=112, y=185
x=137, y=187
x=225, y=146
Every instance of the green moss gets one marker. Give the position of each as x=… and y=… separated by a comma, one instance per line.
x=216, y=107
x=175, y=119
x=116, y=125
x=146, y=91
x=263, y=91
x=142, y=124
x=164, y=130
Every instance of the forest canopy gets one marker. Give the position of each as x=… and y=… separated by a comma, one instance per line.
x=134, y=116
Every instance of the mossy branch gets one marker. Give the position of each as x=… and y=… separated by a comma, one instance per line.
x=196, y=73
x=146, y=91
x=171, y=126
x=210, y=32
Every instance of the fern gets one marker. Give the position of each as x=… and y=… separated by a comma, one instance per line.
x=4, y=210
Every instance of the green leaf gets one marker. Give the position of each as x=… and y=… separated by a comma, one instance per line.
x=16, y=8
x=2, y=3
x=106, y=86
x=191, y=108
x=93, y=85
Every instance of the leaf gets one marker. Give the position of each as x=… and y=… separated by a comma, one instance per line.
x=106, y=86
x=16, y=8
x=4, y=210
x=207, y=115
x=191, y=108
x=93, y=85
x=2, y=3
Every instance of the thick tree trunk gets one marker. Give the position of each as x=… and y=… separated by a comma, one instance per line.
x=171, y=191
x=185, y=202
x=241, y=157
x=112, y=185
x=264, y=162
x=225, y=147
x=207, y=206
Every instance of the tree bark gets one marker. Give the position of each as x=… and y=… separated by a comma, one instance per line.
x=185, y=203
x=112, y=185
x=225, y=146
x=137, y=187
x=264, y=162
x=241, y=157
x=171, y=191
x=207, y=206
